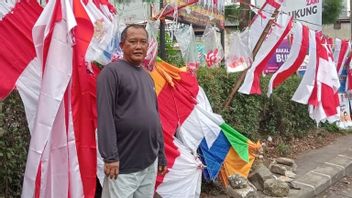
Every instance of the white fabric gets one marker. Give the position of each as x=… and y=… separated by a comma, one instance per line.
x=327, y=75
x=184, y=178
x=269, y=43
x=201, y=123
x=259, y=23
x=50, y=144
x=337, y=52
x=297, y=32
x=305, y=88
x=28, y=86
x=324, y=73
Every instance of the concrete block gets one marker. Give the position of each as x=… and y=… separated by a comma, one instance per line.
x=334, y=172
x=344, y=161
x=304, y=192
x=316, y=181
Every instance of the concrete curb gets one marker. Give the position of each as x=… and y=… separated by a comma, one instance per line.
x=319, y=179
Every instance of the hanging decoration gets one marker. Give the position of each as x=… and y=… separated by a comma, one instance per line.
x=187, y=42
x=213, y=47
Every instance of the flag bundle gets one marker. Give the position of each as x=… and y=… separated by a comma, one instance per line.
x=190, y=127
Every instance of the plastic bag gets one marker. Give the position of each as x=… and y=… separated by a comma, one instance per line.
x=152, y=29
x=239, y=56
x=104, y=46
x=187, y=41
x=214, y=51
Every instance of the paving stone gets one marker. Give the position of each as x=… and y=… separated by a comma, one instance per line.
x=304, y=192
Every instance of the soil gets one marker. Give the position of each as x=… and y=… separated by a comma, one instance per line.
x=291, y=148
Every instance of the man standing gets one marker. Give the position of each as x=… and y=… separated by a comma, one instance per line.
x=129, y=130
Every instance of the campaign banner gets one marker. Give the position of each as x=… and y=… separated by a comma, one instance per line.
x=345, y=113
x=279, y=57
x=308, y=12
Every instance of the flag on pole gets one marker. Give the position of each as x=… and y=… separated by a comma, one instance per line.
x=295, y=59
x=278, y=32
x=320, y=83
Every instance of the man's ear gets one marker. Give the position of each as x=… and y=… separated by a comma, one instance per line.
x=121, y=45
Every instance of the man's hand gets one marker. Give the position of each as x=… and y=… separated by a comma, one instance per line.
x=111, y=170
x=162, y=169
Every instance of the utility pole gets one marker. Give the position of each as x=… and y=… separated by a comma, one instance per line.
x=162, y=42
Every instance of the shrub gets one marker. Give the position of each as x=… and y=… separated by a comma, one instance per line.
x=14, y=141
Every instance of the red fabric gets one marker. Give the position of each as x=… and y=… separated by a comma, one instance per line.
x=313, y=99
x=84, y=101
x=17, y=48
x=298, y=62
x=343, y=51
x=329, y=101
x=255, y=89
x=175, y=105
x=274, y=3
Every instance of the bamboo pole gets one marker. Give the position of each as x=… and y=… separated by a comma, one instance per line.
x=237, y=84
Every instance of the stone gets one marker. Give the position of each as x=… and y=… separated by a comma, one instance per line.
x=249, y=192
x=276, y=188
x=290, y=174
x=237, y=181
x=278, y=169
x=285, y=179
x=285, y=161
x=259, y=175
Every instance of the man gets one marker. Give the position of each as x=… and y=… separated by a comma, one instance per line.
x=129, y=130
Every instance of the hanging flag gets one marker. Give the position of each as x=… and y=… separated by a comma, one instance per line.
x=295, y=59
x=83, y=92
x=52, y=153
x=260, y=21
x=278, y=32
x=320, y=83
x=15, y=31
x=341, y=52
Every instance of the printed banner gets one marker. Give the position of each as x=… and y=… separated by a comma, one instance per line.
x=280, y=56
x=345, y=114
x=309, y=12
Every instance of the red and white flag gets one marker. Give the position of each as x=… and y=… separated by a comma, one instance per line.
x=52, y=164
x=320, y=82
x=260, y=21
x=278, y=32
x=295, y=58
x=342, y=49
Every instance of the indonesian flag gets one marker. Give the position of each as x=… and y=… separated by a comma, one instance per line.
x=51, y=169
x=342, y=49
x=15, y=34
x=261, y=19
x=278, y=32
x=295, y=58
x=320, y=83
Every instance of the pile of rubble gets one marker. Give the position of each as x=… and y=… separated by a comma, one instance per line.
x=274, y=181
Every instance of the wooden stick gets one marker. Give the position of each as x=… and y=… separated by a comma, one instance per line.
x=163, y=15
x=237, y=84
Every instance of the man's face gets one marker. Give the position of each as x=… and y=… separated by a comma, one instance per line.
x=135, y=45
